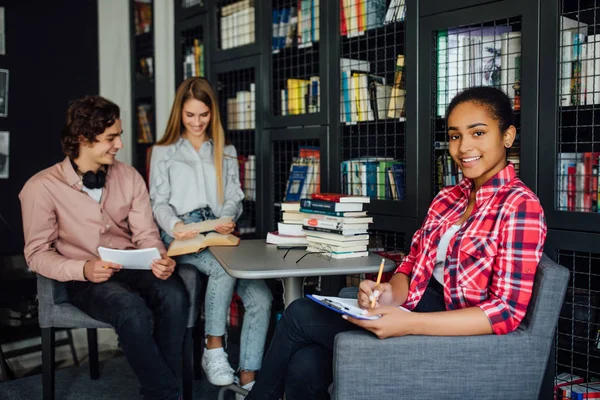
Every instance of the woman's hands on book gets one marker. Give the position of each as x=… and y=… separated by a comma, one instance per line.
x=184, y=235
x=369, y=290
x=225, y=228
x=164, y=267
x=99, y=271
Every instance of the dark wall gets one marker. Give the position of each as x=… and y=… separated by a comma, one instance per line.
x=52, y=58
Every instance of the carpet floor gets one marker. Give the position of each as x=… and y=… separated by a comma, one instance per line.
x=117, y=381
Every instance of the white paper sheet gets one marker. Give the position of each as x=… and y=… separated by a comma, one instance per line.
x=130, y=259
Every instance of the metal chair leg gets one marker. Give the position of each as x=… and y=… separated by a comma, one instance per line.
x=234, y=388
x=188, y=364
x=48, y=363
x=92, y=335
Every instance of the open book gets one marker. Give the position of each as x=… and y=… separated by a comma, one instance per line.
x=204, y=226
x=179, y=247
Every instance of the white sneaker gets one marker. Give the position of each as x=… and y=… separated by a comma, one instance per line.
x=248, y=386
x=217, y=368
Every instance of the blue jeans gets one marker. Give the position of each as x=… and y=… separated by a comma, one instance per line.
x=299, y=360
x=255, y=295
x=150, y=316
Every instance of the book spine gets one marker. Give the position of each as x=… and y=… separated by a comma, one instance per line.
x=322, y=212
x=317, y=205
x=323, y=224
x=327, y=230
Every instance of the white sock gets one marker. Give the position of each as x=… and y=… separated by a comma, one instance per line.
x=211, y=352
x=248, y=385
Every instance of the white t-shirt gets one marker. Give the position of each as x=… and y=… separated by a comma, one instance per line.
x=95, y=194
x=438, y=270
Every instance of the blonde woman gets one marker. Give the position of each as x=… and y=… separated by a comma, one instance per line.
x=195, y=178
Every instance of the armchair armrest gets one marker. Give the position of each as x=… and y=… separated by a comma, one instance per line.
x=51, y=292
x=433, y=367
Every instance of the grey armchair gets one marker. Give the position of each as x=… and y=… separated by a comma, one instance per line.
x=55, y=311
x=474, y=367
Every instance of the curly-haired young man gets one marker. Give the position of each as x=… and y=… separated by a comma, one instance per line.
x=89, y=200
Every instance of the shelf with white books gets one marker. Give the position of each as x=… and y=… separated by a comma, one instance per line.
x=236, y=21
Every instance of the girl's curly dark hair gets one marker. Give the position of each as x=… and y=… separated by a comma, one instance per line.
x=87, y=117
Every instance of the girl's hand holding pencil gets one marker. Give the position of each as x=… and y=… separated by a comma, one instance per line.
x=375, y=294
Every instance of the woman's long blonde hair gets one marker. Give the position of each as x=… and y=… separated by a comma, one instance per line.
x=199, y=89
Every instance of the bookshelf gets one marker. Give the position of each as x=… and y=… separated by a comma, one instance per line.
x=142, y=66
x=186, y=9
x=568, y=146
x=285, y=146
x=417, y=137
x=372, y=89
x=235, y=28
x=236, y=89
x=191, y=48
x=297, y=47
x=572, y=97
x=480, y=54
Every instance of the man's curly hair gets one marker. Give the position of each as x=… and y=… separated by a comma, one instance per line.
x=87, y=117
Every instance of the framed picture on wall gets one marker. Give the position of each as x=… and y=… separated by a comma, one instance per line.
x=3, y=92
x=4, y=154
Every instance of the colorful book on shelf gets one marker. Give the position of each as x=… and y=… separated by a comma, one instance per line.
x=340, y=198
x=396, y=106
x=296, y=182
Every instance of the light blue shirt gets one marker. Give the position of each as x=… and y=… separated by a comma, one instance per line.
x=183, y=180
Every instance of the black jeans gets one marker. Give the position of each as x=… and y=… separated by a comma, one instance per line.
x=300, y=357
x=150, y=316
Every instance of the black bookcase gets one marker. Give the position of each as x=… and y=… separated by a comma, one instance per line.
x=191, y=47
x=568, y=144
x=143, y=128
x=239, y=102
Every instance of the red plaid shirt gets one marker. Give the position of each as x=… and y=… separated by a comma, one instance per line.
x=491, y=261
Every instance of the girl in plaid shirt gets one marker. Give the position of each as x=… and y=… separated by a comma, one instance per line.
x=470, y=269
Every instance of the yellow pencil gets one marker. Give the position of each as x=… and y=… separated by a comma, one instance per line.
x=378, y=281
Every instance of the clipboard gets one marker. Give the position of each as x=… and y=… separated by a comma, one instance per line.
x=342, y=306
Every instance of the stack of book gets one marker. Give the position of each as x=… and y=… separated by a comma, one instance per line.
x=289, y=232
x=336, y=224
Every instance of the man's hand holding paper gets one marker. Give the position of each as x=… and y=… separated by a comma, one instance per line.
x=164, y=267
x=99, y=270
